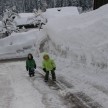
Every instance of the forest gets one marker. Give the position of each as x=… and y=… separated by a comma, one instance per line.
x=29, y=5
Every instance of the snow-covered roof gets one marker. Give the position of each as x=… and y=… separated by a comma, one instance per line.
x=23, y=19
x=60, y=12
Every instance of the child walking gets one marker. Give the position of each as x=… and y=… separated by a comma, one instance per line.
x=30, y=65
x=49, y=66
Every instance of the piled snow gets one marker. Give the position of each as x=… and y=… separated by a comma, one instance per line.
x=83, y=41
x=84, y=29
x=81, y=36
x=20, y=44
x=23, y=19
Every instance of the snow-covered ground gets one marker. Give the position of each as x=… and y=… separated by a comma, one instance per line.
x=20, y=44
x=78, y=44
x=16, y=91
x=82, y=40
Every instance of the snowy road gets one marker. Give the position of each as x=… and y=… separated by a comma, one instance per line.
x=17, y=90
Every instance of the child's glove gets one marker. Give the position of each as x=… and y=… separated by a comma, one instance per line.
x=35, y=66
x=27, y=68
x=44, y=69
x=54, y=68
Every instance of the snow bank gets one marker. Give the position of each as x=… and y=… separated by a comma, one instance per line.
x=79, y=36
x=83, y=39
x=20, y=44
x=23, y=19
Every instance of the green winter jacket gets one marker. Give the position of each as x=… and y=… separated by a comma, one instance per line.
x=30, y=64
x=48, y=64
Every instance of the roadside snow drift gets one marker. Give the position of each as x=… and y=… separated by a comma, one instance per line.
x=23, y=19
x=83, y=42
x=20, y=44
x=83, y=37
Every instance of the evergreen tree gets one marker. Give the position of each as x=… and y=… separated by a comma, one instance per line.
x=37, y=19
x=65, y=3
x=44, y=5
x=8, y=23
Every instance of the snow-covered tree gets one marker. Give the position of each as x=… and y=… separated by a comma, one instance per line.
x=37, y=19
x=8, y=22
x=44, y=5
x=65, y=3
x=39, y=4
x=86, y=4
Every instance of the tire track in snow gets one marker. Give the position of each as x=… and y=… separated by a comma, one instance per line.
x=50, y=99
x=25, y=96
x=6, y=94
x=70, y=100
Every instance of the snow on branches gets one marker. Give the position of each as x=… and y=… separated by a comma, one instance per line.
x=38, y=19
x=8, y=23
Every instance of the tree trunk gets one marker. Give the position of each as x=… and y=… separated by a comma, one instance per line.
x=99, y=3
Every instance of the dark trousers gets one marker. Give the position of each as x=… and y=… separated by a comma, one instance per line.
x=47, y=75
x=31, y=72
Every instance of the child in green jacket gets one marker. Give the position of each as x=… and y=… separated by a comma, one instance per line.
x=30, y=65
x=49, y=66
